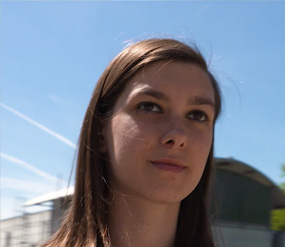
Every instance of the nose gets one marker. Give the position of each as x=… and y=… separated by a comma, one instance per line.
x=174, y=137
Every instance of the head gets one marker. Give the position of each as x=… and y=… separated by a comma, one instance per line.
x=89, y=211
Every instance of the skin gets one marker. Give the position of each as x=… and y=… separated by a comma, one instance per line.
x=158, y=142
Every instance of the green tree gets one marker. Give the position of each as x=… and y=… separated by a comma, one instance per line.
x=278, y=215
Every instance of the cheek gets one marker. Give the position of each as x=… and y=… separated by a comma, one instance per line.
x=125, y=139
x=206, y=142
x=201, y=146
x=201, y=141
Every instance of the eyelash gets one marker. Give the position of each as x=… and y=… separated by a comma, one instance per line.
x=147, y=104
x=202, y=116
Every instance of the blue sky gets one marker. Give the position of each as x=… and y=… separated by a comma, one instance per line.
x=52, y=54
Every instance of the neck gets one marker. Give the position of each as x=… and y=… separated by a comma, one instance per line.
x=138, y=223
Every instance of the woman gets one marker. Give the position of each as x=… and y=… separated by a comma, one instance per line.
x=145, y=152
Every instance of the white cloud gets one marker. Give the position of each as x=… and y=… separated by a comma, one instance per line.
x=28, y=166
x=59, y=100
x=40, y=126
x=30, y=188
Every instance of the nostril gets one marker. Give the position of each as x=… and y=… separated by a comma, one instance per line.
x=182, y=144
x=174, y=139
x=170, y=142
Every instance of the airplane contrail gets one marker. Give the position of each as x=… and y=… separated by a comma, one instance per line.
x=28, y=166
x=42, y=127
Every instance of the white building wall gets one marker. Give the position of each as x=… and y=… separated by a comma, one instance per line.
x=25, y=231
x=234, y=235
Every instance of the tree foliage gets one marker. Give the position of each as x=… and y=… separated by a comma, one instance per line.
x=278, y=219
x=278, y=215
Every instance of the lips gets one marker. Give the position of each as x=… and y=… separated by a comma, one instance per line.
x=169, y=165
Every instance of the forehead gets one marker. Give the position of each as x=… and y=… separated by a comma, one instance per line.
x=175, y=78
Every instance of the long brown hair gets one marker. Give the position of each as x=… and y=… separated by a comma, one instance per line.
x=86, y=223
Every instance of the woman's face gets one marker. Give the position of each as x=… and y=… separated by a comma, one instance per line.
x=159, y=137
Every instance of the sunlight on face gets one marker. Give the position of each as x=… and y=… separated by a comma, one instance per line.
x=160, y=134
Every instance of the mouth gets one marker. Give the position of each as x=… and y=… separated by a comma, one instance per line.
x=169, y=165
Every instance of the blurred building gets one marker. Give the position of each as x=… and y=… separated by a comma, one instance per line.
x=243, y=200
x=31, y=229
x=27, y=230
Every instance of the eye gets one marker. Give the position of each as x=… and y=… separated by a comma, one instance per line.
x=149, y=107
x=199, y=116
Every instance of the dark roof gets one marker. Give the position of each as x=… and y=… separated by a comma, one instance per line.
x=230, y=164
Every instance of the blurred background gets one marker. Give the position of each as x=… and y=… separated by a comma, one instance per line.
x=53, y=52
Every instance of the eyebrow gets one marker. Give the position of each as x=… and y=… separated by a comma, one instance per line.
x=154, y=93
x=197, y=100
x=202, y=101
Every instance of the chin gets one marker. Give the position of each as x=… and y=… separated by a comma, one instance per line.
x=169, y=197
